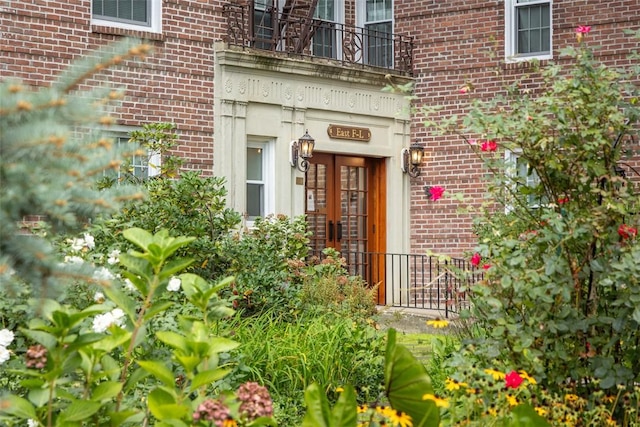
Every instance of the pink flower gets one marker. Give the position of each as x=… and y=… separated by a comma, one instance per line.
x=627, y=232
x=489, y=146
x=436, y=192
x=475, y=259
x=464, y=89
x=513, y=379
x=583, y=29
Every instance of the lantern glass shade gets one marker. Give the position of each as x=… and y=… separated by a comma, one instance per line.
x=416, y=152
x=305, y=145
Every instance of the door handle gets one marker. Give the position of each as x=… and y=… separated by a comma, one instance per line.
x=339, y=231
x=331, y=231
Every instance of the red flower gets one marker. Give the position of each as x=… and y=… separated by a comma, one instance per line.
x=486, y=266
x=475, y=259
x=513, y=379
x=436, y=192
x=583, y=29
x=627, y=232
x=563, y=200
x=489, y=146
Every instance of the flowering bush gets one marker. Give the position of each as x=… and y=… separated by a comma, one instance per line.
x=561, y=295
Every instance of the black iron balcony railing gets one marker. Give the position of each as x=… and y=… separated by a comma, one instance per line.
x=298, y=35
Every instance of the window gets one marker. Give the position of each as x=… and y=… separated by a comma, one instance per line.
x=127, y=14
x=524, y=176
x=136, y=168
x=325, y=43
x=260, y=197
x=378, y=32
x=263, y=25
x=528, y=29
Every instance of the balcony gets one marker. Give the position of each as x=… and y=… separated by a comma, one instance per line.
x=300, y=35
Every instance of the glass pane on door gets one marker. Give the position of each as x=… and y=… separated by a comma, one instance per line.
x=316, y=206
x=353, y=217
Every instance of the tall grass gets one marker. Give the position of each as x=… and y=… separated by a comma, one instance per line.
x=288, y=354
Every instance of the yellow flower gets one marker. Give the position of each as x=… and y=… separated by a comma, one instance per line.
x=527, y=377
x=512, y=400
x=492, y=411
x=497, y=375
x=362, y=408
x=399, y=418
x=571, y=398
x=451, y=385
x=438, y=323
x=611, y=422
x=230, y=423
x=541, y=411
x=441, y=403
x=339, y=389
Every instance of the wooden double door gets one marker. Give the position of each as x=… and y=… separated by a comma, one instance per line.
x=346, y=210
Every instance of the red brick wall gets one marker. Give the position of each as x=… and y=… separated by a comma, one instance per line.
x=460, y=41
x=175, y=84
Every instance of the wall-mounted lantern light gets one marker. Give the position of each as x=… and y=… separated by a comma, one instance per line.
x=411, y=158
x=302, y=151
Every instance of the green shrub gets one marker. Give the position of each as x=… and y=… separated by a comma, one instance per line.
x=267, y=262
x=327, y=284
x=561, y=295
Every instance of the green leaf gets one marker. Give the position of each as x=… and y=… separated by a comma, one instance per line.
x=525, y=416
x=173, y=339
x=207, y=377
x=38, y=396
x=78, y=410
x=123, y=301
x=157, y=308
x=44, y=338
x=221, y=345
x=163, y=405
x=129, y=415
x=406, y=382
x=139, y=237
x=318, y=414
x=174, y=266
x=17, y=406
x=344, y=413
x=106, y=390
x=158, y=370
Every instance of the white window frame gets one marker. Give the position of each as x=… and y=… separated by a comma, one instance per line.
x=268, y=176
x=338, y=20
x=361, y=22
x=511, y=160
x=155, y=20
x=511, y=31
x=154, y=159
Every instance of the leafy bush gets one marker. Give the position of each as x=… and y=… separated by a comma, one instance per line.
x=191, y=206
x=561, y=296
x=327, y=284
x=267, y=262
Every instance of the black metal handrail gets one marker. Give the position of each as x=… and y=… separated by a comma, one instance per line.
x=415, y=281
x=294, y=35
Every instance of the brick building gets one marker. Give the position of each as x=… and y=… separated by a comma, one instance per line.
x=243, y=79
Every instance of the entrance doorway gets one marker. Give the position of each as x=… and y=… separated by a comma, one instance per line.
x=346, y=210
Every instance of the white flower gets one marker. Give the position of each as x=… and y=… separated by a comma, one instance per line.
x=99, y=297
x=4, y=355
x=6, y=337
x=103, y=321
x=103, y=274
x=32, y=423
x=174, y=284
x=114, y=257
x=77, y=244
x=128, y=284
x=73, y=260
x=89, y=241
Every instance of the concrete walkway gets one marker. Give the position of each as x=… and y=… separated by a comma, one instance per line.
x=410, y=321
